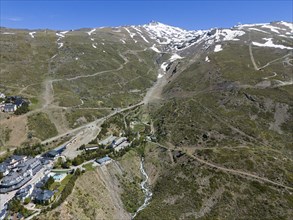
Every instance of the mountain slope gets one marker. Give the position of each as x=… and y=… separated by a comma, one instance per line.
x=219, y=102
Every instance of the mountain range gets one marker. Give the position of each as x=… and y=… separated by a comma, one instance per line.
x=215, y=105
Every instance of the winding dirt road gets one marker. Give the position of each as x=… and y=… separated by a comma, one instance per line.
x=232, y=171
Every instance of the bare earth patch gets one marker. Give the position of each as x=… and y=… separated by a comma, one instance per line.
x=18, y=127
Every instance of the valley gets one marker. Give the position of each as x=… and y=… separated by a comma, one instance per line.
x=208, y=115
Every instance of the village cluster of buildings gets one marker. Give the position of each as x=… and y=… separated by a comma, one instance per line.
x=11, y=103
x=35, y=192
x=17, y=174
x=17, y=171
x=116, y=143
x=25, y=177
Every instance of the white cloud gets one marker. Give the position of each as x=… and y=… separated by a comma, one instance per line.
x=15, y=19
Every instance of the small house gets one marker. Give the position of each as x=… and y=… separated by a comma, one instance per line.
x=60, y=149
x=44, y=197
x=52, y=154
x=121, y=146
x=24, y=193
x=108, y=140
x=119, y=141
x=103, y=161
x=9, y=107
x=18, y=102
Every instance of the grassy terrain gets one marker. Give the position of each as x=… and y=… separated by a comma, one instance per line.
x=276, y=166
x=4, y=134
x=235, y=64
x=88, y=167
x=111, y=89
x=41, y=127
x=77, y=117
x=187, y=189
x=132, y=195
x=24, y=58
x=216, y=111
x=124, y=72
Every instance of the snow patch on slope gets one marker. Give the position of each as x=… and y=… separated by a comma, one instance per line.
x=60, y=45
x=140, y=34
x=175, y=57
x=255, y=29
x=218, y=48
x=288, y=25
x=155, y=49
x=60, y=36
x=269, y=43
x=231, y=34
x=91, y=31
x=164, y=66
x=131, y=34
x=273, y=28
x=143, y=37
x=32, y=34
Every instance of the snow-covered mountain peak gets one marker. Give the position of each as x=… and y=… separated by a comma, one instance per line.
x=178, y=39
x=174, y=39
x=165, y=34
x=172, y=36
x=163, y=27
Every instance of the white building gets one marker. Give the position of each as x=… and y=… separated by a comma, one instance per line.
x=108, y=140
x=121, y=146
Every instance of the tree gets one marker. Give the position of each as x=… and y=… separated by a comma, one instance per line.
x=16, y=207
x=48, y=183
x=58, y=163
x=22, y=109
x=66, y=165
x=27, y=200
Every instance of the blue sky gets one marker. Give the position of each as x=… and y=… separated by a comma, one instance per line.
x=190, y=15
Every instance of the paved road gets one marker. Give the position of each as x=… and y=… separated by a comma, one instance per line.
x=97, y=122
x=86, y=133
